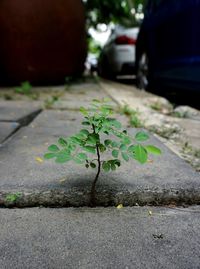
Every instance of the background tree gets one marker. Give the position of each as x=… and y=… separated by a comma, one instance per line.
x=117, y=11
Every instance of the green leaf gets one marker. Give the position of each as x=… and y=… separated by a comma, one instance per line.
x=152, y=149
x=131, y=151
x=53, y=148
x=116, y=124
x=126, y=140
x=84, y=132
x=115, y=153
x=82, y=156
x=78, y=161
x=106, y=166
x=141, y=136
x=113, y=167
x=113, y=122
x=92, y=165
x=76, y=140
x=89, y=149
x=107, y=122
x=102, y=148
x=48, y=156
x=83, y=111
x=140, y=154
x=125, y=156
x=108, y=142
x=131, y=148
x=63, y=157
x=113, y=164
x=71, y=147
x=114, y=144
x=122, y=147
x=117, y=134
x=26, y=85
x=85, y=123
x=93, y=139
x=117, y=162
x=62, y=142
x=12, y=197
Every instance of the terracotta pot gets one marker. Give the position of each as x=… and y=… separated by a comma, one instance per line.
x=41, y=41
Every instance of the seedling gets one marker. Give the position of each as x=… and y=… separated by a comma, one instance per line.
x=133, y=115
x=25, y=88
x=12, y=197
x=102, y=134
x=48, y=104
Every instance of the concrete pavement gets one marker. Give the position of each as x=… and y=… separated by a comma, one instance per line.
x=167, y=179
x=100, y=238
x=180, y=126
x=83, y=238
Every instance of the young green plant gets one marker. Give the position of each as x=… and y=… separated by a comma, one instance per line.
x=101, y=134
x=25, y=88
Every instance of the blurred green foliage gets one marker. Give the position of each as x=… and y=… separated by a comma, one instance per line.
x=116, y=11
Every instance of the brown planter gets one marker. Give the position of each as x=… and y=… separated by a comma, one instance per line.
x=41, y=41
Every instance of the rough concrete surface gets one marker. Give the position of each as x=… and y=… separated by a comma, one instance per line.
x=179, y=126
x=191, y=131
x=137, y=237
x=168, y=179
x=79, y=95
x=7, y=129
x=83, y=238
x=18, y=111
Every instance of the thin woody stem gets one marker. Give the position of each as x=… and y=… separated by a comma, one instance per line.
x=93, y=189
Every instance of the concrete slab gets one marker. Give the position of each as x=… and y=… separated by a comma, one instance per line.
x=7, y=129
x=80, y=95
x=99, y=238
x=168, y=179
x=18, y=111
x=181, y=130
x=191, y=129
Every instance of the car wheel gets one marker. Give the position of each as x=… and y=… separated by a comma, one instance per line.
x=142, y=73
x=104, y=69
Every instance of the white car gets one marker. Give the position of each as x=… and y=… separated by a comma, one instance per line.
x=118, y=55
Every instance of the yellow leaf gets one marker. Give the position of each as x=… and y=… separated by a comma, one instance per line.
x=150, y=212
x=150, y=161
x=39, y=160
x=62, y=180
x=120, y=206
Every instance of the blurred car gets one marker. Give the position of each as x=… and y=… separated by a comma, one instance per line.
x=168, y=47
x=118, y=55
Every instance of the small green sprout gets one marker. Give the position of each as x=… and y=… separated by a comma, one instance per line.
x=48, y=104
x=133, y=115
x=12, y=197
x=101, y=133
x=25, y=88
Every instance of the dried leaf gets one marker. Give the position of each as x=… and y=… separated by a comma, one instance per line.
x=150, y=212
x=39, y=160
x=62, y=180
x=120, y=206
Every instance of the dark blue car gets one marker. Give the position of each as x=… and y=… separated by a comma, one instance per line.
x=168, y=47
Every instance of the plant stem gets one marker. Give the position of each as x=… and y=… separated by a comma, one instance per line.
x=93, y=189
